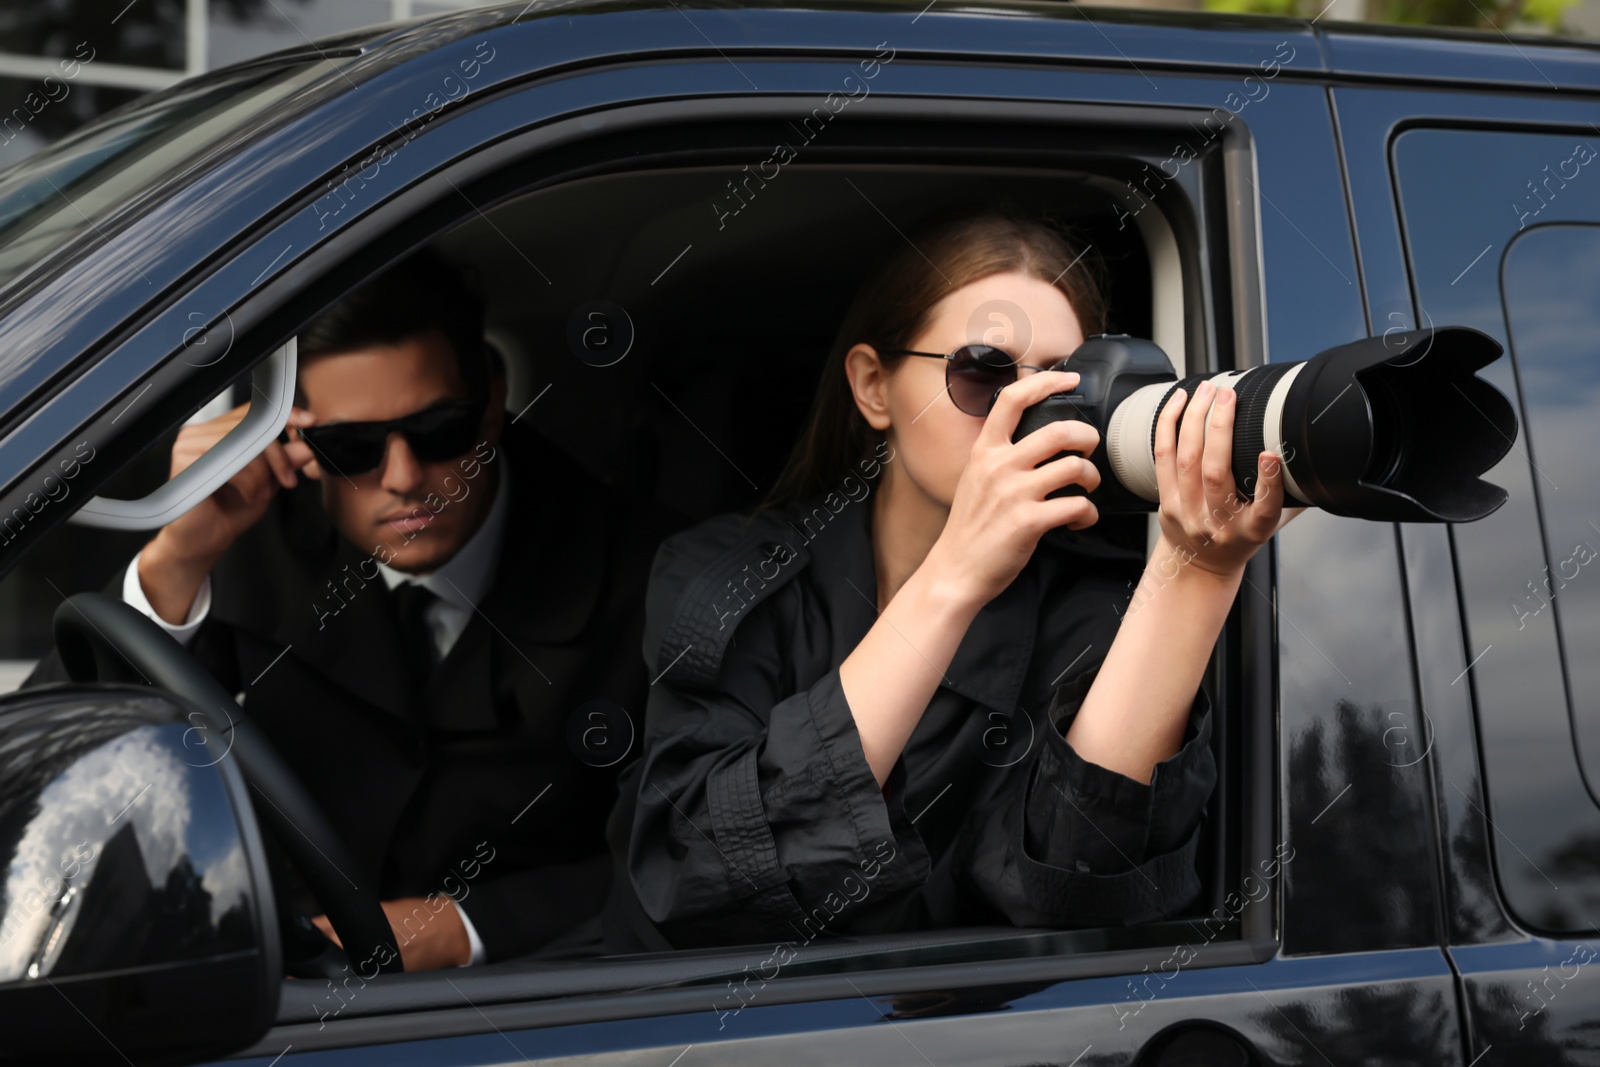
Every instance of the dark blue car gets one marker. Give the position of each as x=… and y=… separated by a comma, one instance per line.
x=668, y=206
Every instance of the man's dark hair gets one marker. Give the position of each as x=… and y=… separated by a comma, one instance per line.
x=420, y=293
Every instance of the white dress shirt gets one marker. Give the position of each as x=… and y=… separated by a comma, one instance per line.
x=460, y=585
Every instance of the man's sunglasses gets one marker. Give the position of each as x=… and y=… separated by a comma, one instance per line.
x=434, y=434
x=975, y=374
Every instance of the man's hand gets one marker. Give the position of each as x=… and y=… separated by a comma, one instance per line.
x=175, y=563
x=428, y=930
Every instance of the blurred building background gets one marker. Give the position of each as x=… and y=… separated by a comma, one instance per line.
x=114, y=50
x=102, y=53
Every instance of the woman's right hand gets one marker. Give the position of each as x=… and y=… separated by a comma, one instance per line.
x=1000, y=508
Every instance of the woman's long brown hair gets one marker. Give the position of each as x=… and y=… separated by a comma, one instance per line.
x=894, y=306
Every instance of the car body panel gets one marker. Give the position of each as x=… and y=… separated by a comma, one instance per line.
x=210, y=260
x=1291, y=1010
x=1524, y=998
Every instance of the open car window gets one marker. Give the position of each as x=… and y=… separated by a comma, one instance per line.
x=678, y=369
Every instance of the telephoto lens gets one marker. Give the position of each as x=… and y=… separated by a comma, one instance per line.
x=1397, y=428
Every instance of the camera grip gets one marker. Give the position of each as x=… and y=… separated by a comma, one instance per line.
x=1058, y=408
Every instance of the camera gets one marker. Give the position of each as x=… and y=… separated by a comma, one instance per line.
x=1396, y=428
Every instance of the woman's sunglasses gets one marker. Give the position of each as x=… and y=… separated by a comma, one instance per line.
x=975, y=374
x=434, y=434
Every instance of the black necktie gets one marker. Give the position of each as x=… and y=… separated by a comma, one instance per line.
x=411, y=602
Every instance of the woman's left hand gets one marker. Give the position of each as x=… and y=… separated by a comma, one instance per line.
x=1202, y=516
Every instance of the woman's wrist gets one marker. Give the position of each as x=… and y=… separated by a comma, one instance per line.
x=1172, y=574
x=1171, y=563
x=945, y=590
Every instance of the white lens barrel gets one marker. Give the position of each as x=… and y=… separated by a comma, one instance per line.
x=1272, y=428
x=1127, y=441
x=1130, y=440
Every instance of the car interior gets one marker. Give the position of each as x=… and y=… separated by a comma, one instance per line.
x=724, y=331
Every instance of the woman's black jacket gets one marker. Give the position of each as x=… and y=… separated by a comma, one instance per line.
x=752, y=816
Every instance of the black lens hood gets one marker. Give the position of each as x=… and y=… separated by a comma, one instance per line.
x=1399, y=428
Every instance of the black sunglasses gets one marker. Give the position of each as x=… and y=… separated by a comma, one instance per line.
x=975, y=374
x=434, y=434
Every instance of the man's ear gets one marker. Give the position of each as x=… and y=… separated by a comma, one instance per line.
x=869, y=382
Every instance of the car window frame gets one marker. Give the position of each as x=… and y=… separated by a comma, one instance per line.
x=266, y=312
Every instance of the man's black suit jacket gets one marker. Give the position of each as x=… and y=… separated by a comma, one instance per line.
x=493, y=781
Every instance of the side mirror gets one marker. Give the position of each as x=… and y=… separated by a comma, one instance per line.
x=136, y=909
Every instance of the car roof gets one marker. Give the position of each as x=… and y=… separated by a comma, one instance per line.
x=1366, y=50
x=1362, y=49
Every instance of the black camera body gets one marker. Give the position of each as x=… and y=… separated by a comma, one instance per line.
x=1111, y=368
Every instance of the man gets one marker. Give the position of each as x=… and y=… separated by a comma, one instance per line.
x=434, y=614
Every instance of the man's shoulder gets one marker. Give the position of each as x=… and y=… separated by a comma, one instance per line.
x=269, y=574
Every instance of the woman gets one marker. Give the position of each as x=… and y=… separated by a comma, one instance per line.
x=884, y=703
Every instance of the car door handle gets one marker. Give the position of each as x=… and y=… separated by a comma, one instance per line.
x=273, y=379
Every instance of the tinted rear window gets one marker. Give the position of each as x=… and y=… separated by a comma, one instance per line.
x=1499, y=228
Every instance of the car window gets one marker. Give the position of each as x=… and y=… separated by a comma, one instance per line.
x=1554, y=318
x=1500, y=235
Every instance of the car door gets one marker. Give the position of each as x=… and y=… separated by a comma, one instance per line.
x=1480, y=207
x=1314, y=964
x=1229, y=136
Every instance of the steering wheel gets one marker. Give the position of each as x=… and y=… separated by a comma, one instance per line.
x=101, y=639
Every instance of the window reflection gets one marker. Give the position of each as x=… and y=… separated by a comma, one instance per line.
x=117, y=842
x=1552, y=295
x=1500, y=237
